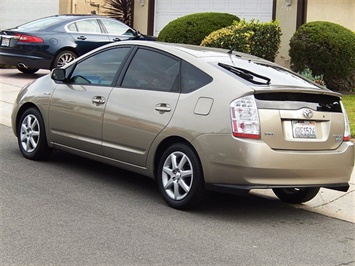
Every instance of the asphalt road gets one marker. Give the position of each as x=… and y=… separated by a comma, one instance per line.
x=73, y=211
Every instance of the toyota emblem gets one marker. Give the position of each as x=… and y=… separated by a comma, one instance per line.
x=307, y=113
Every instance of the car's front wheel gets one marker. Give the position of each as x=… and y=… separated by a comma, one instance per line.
x=31, y=135
x=296, y=195
x=180, y=177
x=63, y=58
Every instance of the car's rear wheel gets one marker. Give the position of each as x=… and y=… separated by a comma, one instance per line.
x=63, y=58
x=27, y=70
x=31, y=136
x=296, y=195
x=180, y=177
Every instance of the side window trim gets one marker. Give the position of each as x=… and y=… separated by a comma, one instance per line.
x=125, y=66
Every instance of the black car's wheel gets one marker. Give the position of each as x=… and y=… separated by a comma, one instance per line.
x=27, y=70
x=63, y=58
x=31, y=136
x=180, y=177
x=296, y=195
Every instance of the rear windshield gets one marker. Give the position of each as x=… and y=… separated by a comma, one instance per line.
x=257, y=73
x=40, y=23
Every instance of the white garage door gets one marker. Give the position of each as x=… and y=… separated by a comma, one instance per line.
x=168, y=10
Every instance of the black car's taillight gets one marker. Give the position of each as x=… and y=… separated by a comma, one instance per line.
x=28, y=38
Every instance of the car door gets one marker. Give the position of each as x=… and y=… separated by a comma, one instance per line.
x=77, y=106
x=141, y=107
x=87, y=35
x=117, y=31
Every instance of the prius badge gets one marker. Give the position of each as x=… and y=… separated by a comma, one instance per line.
x=307, y=113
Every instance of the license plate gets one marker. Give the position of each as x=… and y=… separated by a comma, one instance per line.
x=5, y=42
x=304, y=129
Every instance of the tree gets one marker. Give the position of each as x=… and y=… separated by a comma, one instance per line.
x=120, y=10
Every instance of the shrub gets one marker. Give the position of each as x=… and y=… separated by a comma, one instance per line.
x=307, y=73
x=191, y=29
x=257, y=38
x=326, y=48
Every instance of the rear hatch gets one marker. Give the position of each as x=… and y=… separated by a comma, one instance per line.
x=295, y=120
x=294, y=113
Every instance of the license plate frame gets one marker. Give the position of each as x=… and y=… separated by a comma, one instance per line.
x=302, y=129
x=5, y=42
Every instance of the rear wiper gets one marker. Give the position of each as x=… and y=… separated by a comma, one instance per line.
x=246, y=74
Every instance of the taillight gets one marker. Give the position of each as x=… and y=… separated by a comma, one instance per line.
x=28, y=38
x=347, y=132
x=245, y=118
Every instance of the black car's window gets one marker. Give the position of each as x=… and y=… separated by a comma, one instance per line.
x=117, y=28
x=85, y=26
x=152, y=71
x=192, y=78
x=40, y=23
x=99, y=69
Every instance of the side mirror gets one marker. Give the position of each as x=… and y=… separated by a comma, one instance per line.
x=58, y=74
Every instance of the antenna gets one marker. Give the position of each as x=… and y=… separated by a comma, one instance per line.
x=230, y=53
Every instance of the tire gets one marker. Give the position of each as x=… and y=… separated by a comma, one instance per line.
x=27, y=70
x=31, y=136
x=63, y=58
x=180, y=177
x=296, y=195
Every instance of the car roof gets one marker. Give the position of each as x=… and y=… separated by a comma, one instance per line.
x=213, y=56
x=208, y=54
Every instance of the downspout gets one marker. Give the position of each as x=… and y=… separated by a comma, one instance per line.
x=151, y=17
x=301, y=13
x=72, y=7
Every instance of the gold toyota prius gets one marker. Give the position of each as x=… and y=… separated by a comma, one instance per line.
x=193, y=118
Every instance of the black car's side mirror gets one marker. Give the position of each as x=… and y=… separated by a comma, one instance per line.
x=58, y=74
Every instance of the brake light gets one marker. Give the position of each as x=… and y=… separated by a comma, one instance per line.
x=347, y=132
x=245, y=118
x=28, y=38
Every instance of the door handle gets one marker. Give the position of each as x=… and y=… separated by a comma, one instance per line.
x=83, y=38
x=98, y=100
x=162, y=108
x=116, y=39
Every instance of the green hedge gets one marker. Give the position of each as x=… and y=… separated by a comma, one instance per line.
x=191, y=29
x=327, y=49
x=257, y=38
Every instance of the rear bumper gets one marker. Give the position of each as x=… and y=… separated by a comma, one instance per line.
x=235, y=189
x=30, y=61
x=248, y=164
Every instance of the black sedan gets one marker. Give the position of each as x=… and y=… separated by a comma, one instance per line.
x=52, y=42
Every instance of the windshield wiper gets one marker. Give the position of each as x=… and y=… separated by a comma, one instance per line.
x=246, y=74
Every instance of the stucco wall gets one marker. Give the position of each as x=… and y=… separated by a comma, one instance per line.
x=286, y=15
x=338, y=11
x=81, y=6
x=140, y=19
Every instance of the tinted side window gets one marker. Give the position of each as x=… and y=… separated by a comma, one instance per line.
x=117, y=28
x=193, y=78
x=152, y=71
x=99, y=69
x=85, y=26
